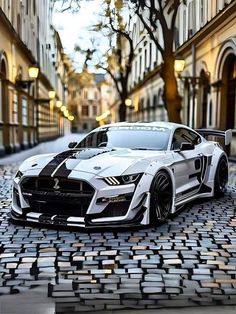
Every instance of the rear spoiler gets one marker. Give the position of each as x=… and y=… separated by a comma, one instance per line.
x=208, y=132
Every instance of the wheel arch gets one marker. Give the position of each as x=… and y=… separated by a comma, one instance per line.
x=217, y=155
x=171, y=174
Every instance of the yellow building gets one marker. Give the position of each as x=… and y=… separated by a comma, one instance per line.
x=27, y=114
x=85, y=99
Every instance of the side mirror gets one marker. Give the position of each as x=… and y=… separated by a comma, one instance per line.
x=72, y=144
x=186, y=146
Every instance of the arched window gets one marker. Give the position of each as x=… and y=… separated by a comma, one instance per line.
x=3, y=87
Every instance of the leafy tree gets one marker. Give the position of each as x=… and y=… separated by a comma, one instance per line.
x=155, y=15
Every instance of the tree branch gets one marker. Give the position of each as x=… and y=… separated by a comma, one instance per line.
x=150, y=32
x=173, y=20
x=113, y=78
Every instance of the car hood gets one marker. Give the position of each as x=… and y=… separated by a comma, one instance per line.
x=99, y=161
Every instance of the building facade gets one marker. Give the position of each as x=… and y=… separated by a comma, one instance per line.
x=85, y=99
x=27, y=114
x=206, y=39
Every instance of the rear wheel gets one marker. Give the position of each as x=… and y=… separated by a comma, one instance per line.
x=221, y=177
x=161, y=197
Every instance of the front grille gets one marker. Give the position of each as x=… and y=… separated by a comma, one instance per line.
x=47, y=184
x=70, y=198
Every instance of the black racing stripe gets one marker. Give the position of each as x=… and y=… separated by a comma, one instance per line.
x=66, y=167
x=55, y=162
x=63, y=171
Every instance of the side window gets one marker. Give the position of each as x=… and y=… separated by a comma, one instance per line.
x=184, y=135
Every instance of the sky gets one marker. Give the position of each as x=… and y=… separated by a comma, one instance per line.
x=73, y=29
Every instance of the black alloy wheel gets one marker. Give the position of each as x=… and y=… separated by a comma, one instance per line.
x=161, y=197
x=221, y=177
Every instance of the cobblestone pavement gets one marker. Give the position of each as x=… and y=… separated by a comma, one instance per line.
x=188, y=261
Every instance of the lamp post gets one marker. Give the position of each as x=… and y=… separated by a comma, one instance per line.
x=190, y=80
x=129, y=104
x=33, y=72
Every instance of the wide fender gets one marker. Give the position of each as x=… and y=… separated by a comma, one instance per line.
x=218, y=153
x=156, y=167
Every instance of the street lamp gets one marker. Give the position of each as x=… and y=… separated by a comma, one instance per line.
x=128, y=102
x=33, y=74
x=179, y=65
x=51, y=94
x=59, y=104
x=63, y=108
x=203, y=79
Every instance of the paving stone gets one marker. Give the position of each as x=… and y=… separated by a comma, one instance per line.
x=189, y=260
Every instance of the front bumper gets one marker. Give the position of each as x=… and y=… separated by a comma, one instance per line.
x=63, y=209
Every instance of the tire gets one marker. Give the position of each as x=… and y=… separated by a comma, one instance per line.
x=221, y=178
x=161, y=197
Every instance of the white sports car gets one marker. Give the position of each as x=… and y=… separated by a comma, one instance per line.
x=122, y=174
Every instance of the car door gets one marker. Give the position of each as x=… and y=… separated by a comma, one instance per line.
x=188, y=164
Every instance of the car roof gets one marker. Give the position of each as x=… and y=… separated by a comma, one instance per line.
x=169, y=125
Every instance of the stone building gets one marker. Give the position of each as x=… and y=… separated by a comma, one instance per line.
x=85, y=99
x=206, y=40
x=27, y=114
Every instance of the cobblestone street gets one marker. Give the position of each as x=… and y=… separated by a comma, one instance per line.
x=189, y=261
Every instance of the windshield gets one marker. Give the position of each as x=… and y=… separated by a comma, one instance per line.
x=134, y=137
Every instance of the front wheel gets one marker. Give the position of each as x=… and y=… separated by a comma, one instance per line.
x=221, y=177
x=161, y=197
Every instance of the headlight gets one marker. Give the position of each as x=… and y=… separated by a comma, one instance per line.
x=126, y=179
x=19, y=174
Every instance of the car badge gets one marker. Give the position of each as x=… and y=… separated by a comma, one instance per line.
x=56, y=185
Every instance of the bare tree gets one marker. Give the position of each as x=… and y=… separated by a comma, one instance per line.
x=119, y=57
x=156, y=14
x=67, y=5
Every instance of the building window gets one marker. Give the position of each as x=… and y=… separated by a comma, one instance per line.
x=27, y=7
x=202, y=12
x=31, y=114
x=19, y=25
x=94, y=110
x=85, y=110
x=14, y=109
x=74, y=94
x=34, y=6
x=191, y=19
x=150, y=55
x=145, y=59
x=24, y=112
x=140, y=65
x=95, y=95
x=85, y=94
x=184, y=26
x=13, y=113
